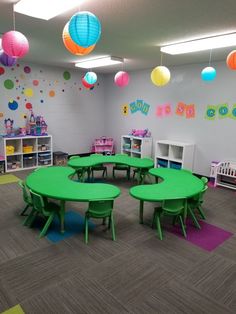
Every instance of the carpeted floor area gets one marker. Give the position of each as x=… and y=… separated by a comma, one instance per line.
x=136, y=274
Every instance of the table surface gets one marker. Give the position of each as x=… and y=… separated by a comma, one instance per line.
x=55, y=182
x=93, y=160
x=175, y=184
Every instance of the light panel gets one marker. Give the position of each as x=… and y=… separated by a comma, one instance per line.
x=45, y=9
x=201, y=44
x=98, y=62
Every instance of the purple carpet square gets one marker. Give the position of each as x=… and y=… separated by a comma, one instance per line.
x=208, y=237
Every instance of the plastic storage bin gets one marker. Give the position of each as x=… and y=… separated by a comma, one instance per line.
x=162, y=163
x=29, y=161
x=10, y=150
x=27, y=149
x=175, y=165
x=44, y=159
x=60, y=158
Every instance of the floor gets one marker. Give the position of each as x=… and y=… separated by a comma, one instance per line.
x=136, y=274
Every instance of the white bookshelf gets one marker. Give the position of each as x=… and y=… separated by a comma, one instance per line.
x=39, y=154
x=134, y=146
x=173, y=154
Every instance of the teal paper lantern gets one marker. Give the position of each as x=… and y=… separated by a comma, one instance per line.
x=208, y=74
x=84, y=29
x=90, y=77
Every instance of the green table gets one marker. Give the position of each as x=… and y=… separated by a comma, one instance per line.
x=175, y=184
x=142, y=164
x=56, y=183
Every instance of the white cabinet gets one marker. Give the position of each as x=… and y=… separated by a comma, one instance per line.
x=174, y=154
x=26, y=152
x=136, y=146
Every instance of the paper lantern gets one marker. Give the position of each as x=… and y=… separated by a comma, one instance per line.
x=121, y=79
x=90, y=77
x=15, y=44
x=85, y=84
x=160, y=76
x=208, y=74
x=7, y=60
x=84, y=29
x=231, y=60
x=71, y=46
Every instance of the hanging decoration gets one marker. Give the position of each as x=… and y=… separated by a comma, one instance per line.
x=71, y=46
x=160, y=76
x=7, y=60
x=121, y=79
x=208, y=74
x=87, y=85
x=90, y=78
x=15, y=44
x=84, y=29
x=231, y=60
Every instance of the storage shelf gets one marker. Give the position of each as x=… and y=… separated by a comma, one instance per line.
x=143, y=144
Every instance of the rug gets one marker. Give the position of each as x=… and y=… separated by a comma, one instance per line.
x=209, y=237
x=8, y=178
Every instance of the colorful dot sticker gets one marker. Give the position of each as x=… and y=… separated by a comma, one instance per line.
x=35, y=82
x=22, y=76
x=8, y=84
x=28, y=105
x=52, y=93
x=2, y=71
x=12, y=105
x=1, y=114
x=66, y=75
x=27, y=69
x=41, y=100
x=28, y=92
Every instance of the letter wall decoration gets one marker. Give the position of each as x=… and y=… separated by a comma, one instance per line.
x=139, y=105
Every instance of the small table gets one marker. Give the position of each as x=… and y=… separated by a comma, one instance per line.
x=56, y=183
x=175, y=184
x=141, y=164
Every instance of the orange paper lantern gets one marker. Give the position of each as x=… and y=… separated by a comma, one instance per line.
x=71, y=46
x=231, y=60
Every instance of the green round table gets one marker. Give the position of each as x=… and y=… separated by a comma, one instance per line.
x=56, y=183
x=175, y=184
x=142, y=164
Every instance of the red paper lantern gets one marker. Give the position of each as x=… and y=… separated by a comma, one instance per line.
x=231, y=60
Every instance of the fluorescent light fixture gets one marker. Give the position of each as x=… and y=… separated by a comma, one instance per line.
x=201, y=44
x=44, y=9
x=98, y=62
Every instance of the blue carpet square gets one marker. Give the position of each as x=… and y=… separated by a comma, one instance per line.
x=74, y=224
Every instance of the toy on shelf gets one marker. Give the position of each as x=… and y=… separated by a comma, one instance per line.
x=103, y=145
x=36, y=125
x=141, y=133
x=9, y=126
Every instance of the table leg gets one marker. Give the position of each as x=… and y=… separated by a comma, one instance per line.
x=62, y=216
x=141, y=212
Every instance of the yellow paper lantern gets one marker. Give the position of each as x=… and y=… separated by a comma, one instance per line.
x=160, y=76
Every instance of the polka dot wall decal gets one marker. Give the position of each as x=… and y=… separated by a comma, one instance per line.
x=41, y=100
x=63, y=90
x=18, y=65
x=29, y=92
x=35, y=82
x=27, y=69
x=28, y=105
x=12, y=69
x=41, y=91
x=51, y=93
x=8, y=84
x=66, y=75
x=18, y=98
x=22, y=76
x=13, y=105
x=2, y=71
x=1, y=114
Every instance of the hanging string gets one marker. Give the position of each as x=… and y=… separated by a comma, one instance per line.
x=14, y=19
x=210, y=57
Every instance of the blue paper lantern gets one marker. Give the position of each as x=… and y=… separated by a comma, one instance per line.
x=208, y=74
x=84, y=29
x=90, y=77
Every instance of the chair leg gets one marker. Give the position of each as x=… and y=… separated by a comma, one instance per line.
x=154, y=218
x=128, y=173
x=104, y=220
x=24, y=210
x=28, y=220
x=158, y=223
x=182, y=226
x=196, y=223
x=201, y=212
x=46, y=226
x=113, y=173
x=113, y=227
x=86, y=229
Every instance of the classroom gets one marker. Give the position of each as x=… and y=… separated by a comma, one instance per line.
x=117, y=170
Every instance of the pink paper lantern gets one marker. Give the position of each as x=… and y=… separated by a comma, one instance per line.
x=121, y=79
x=15, y=44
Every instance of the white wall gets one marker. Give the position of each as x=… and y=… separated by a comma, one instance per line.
x=74, y=117
x=214, y=139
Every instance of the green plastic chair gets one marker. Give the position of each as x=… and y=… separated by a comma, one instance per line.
x=99, y=167
x=43, y=208
x=120, y=167
x=101, y=209
x=195, y=203
x=176, y=208
x=204, y=180
x=26, y=197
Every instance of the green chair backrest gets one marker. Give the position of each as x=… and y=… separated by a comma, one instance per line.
x=38, y=203
x=204, y=180
x=174, y=206
x=100, y=208
x=26, y=196
x=201, y=195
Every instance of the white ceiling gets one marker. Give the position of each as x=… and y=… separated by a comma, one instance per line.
x=131, y=29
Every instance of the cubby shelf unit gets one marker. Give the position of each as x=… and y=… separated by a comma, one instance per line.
x=134, y=146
